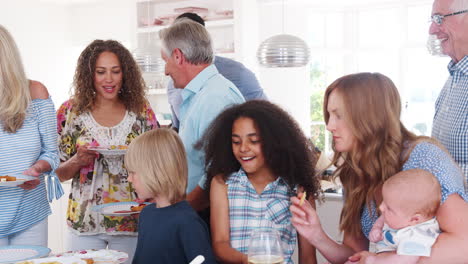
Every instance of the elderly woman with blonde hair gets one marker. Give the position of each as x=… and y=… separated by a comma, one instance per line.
x=28, y=145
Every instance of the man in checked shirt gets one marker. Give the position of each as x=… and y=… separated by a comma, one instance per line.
x=449, y=23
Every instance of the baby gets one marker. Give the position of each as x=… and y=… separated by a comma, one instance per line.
x=407, y=224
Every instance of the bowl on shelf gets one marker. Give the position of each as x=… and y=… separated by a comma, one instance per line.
x=167, y=19
x=201, y=11
x=221, y=14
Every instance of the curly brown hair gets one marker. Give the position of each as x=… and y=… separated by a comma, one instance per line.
x=288, y=153
x=133, y=86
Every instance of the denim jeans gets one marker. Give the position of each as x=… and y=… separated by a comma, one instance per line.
x=36, y=235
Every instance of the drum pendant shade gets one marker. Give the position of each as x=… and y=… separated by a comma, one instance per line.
x=283, y=51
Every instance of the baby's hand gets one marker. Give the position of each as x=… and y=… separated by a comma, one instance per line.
x=375, y=235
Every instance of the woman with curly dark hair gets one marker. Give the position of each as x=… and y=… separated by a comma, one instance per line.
x=256, y=158
x=108, y=109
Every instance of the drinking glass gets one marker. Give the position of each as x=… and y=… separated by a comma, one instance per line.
x=265, y=247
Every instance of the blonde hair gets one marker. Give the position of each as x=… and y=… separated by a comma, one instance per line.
x=158, y=158
x=418, y=191
x=372, y=111
x=14, y=86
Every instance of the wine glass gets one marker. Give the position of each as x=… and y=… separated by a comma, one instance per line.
x=265, y=247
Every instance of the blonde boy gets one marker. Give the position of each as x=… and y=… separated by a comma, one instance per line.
x=169, y=230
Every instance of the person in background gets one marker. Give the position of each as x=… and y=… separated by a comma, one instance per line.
x=362, y=111
x=236, y=72
x=170, y=231
x=108, y=109
x=28, y=145
x=410, y=200
x=188, y=53
x=450, y=126
x=256, y=158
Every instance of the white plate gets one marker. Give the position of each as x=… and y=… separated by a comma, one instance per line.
x=11, y=254
x=20, y=179
x=110, y=209
x=55, y=260
x=102, y=255
x=109, y=152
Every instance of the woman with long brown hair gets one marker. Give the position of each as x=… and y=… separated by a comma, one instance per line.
x=362, y=111
x=108, y=109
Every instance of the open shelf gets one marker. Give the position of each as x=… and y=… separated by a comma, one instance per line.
x=208, y=24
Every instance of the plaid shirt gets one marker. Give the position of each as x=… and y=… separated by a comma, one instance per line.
x=249, y=210
x=451, y=114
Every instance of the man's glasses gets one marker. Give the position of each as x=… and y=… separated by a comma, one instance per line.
x=438, y=18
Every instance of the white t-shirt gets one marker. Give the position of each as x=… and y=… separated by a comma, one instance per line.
x=414, y=240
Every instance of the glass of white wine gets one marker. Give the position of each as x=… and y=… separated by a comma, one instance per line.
x=265, y=247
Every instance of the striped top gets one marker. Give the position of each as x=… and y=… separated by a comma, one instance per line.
x=248, y=211
x=451, y=114
x=35, y=140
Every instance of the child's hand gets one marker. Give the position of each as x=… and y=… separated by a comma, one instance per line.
x=305, y=219
x=375, y=235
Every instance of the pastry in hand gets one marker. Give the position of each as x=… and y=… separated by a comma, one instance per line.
x=7, y=178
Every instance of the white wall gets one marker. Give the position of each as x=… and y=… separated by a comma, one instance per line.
x=41, y=31
x=103, y=19
x=288, y=87
x=51, y=35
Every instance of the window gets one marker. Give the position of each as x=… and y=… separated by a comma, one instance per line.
x=383, y=37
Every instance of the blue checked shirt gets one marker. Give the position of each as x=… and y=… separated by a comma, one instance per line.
x=451, y=115
x=249, y=210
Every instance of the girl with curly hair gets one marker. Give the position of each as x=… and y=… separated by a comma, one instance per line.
x=108, y=109
x=362, y=111
x=256, y=158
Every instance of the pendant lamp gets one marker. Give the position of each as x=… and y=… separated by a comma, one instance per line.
x=283, y=50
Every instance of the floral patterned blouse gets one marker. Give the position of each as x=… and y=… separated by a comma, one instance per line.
x=105, y=179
